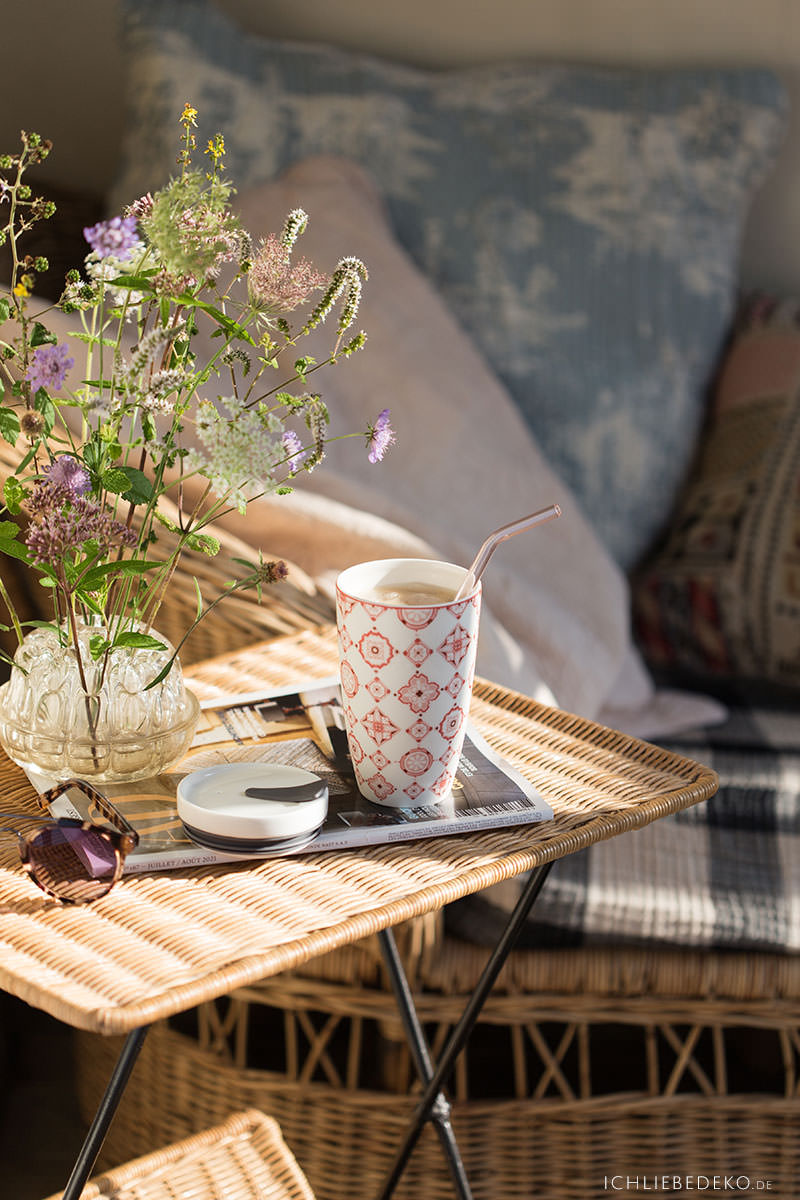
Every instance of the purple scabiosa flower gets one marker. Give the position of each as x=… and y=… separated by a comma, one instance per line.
x=66, y=472
x=295, y=454
x=49, y=367
x=117, y=238
x=380, y=437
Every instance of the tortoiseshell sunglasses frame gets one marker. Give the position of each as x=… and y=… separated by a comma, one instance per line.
x=123, y=838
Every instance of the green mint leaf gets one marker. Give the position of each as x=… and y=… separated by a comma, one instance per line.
x=98, y=646
x=232, y=328
x=14, y=549
x=44, y=625
x=41, y=336
x=115, y=480
x=148, y=427
x=43, y=404
x=97, y=576
x=136, y=283
x=13, y=494
x=9, y=425
x=139, y=641
x=140, y=489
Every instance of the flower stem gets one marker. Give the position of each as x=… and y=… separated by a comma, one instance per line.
x=92, y=712
x=12, y=612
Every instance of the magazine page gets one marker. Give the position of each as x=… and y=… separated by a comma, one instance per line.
x=303, y=727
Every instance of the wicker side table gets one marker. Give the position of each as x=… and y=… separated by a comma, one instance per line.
x=243, y=1157
x=160, y=944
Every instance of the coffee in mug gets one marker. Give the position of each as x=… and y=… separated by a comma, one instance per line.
x=412, y=595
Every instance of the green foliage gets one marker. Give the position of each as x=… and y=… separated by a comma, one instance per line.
x=13, y=494
x=9, y=425
x=147, y=434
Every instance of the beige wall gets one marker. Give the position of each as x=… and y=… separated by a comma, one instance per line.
x=62, y=70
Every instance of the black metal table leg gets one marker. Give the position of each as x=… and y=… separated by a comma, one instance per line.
x=440, y=1108
x=105, y=1113
x=461, y=1032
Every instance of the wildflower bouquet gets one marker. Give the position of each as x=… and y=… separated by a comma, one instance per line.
x=105, y=464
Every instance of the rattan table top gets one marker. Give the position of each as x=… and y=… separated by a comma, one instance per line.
x=159, y=944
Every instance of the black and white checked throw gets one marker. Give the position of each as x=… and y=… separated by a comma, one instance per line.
x=724, y=874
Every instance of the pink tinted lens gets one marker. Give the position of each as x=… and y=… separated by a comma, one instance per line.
x=74, y=864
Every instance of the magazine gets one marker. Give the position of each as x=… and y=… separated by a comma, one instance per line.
x=303, y=726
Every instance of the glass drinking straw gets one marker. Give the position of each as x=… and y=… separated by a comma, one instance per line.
x=500, y=535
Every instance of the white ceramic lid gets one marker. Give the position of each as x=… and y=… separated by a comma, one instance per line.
x=213, y=801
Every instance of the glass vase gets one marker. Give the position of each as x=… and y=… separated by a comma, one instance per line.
x=116, y=730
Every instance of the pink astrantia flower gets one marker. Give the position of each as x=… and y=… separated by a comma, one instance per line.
x=380, y=437
x=49, y=368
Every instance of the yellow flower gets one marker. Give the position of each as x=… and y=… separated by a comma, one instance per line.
x=216, y=148
x=189, y=114
x=21, y=290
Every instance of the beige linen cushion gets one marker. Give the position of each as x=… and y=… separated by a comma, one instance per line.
x=464, y=462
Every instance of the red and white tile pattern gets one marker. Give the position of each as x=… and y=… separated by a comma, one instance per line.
x=407, y=679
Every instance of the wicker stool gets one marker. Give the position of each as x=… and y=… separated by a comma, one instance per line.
x=245, y=1158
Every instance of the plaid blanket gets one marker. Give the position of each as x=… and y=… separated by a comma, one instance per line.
x=724, y=874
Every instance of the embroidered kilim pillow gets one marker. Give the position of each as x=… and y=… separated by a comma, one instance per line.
x=721, y=597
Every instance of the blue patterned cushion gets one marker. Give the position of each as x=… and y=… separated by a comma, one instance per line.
x=582, y=224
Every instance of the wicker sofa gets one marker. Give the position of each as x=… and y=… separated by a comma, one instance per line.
x=593, y=1059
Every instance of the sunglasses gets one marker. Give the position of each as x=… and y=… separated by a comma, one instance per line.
x=75, y=861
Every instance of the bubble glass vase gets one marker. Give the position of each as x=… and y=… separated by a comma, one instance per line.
x=120, y=731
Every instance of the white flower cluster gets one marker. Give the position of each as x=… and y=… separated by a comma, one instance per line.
x=104, y=270
x=242, y=447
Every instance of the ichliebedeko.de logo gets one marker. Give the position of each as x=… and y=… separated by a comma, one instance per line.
x=659, y=1184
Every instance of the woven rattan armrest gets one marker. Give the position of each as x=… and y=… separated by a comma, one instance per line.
x=243, y=1157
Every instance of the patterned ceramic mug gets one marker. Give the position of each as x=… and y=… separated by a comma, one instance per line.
x=407, y=661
